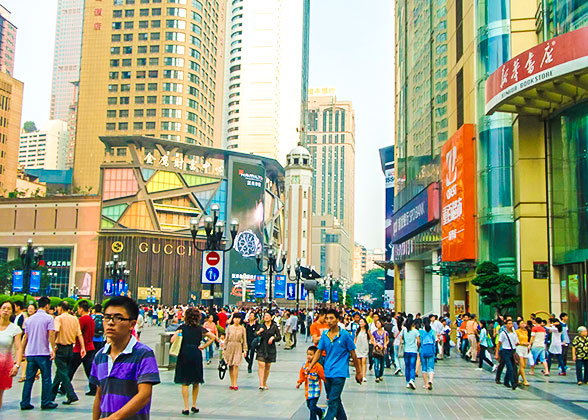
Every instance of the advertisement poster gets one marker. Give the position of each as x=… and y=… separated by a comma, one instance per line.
x=291, y=291
x=459, y=306
x=247, y=206
x=335, y=296
x=17, y=281
x=35, y=285
x=458, y=196
x=417, y=215
x=108, y=287
x=260, y=286
x=280, y=286
x=573, y=288
x=303, y=292
x=326, y=296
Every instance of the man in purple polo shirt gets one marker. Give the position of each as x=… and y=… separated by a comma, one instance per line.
x=39, y=344
x=124, y=370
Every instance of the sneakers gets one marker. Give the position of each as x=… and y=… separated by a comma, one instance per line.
x=562, y=374
x=411, y=385
x=479, y=368
x=430, y=386
x=397, y=371
x=364, y=379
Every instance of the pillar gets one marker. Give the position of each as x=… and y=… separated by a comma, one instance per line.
x=413, y=286
x=436, y=287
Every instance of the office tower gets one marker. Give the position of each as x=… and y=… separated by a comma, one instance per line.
x=10, y=111
x=266, y=72
x=66, y=57
x=298, y=193
x=331, y=142
x=148, y=68
x=45, y=148
x=359, y=262
x=7, y=42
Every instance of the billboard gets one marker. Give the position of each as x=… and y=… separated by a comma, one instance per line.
x=260, y=287
x=280, y=286
x=35, y=284
x=417, y=215
x=17, y=280
x=291, y=291
x=458, y=196
x=247, y=205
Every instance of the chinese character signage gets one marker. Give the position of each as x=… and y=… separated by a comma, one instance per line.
x=260, y=286
x=35, y=285
x=17, y=281
x=417, y=215
x=280, y=286
x=291, y=291
x=108, y=287
x=458, y=196
x=556, y=57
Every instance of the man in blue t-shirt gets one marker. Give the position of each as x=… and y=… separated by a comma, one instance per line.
x=338, y=345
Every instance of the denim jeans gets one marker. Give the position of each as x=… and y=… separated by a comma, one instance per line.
x=209, y=352
x=378, y=366
x=389, y=355
x=63, y=358
x=316, y=413
x=35, y=363
x=560, y=361
x=579, y=365
x=510, y=377
x=334, y=388
x=250, y=357
x=427, y=364
x=483, y=357
x=77, y=360
x=410, y=366
x=396, y=358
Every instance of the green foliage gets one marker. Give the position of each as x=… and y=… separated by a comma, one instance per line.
x=372, y=284
x=29, y=127
x=495, y=289
x=54, y=301
x=71, y=301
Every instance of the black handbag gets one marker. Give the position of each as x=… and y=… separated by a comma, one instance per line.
x=255, y=343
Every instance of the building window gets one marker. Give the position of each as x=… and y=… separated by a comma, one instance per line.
x=138, y=113
x=124, y=100
x=125, y=88
x=141, y=61
x=139, y=99
x=458, y=29
x=110, y=126
x=154, y=36
x=123, y=113
x=153, y=74
x=137, y=126
x=153, y=61
x=151, y=99
x=126, y=62
x=142, y=49
x=115, y=38
x=150, y=125
x=111, y=113
x=129, y=25
x=152, y=86
x=123, y=126
x=143, y=36
x=460, y=103
x=143, y=24
x=151, y=112
x=115, y=50
x=112, y=100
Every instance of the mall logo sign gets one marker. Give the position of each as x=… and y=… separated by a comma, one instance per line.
x=252, y=179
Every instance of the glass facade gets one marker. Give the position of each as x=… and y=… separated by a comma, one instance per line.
x=563, y=16
x=495, y=146
x=58, y=261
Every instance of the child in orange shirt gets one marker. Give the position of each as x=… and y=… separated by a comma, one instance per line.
x=312, y=384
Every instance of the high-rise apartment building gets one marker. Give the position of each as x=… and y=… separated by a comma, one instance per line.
x=10, y=112
x=66, y=57
x=266, y=75
x=45, y=148
x=7, y=42
x=330, y=137
x=359, y=262
x=149, y=67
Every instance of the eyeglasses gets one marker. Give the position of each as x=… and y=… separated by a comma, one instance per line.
x=117, y=319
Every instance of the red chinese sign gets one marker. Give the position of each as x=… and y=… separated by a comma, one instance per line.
x=561, y=55
x=458, y=196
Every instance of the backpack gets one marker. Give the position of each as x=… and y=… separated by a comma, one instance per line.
x=98, y=326
x=427, y=344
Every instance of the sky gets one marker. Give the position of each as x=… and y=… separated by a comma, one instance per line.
x=351, y=49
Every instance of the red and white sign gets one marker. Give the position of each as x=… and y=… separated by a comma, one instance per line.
x=212, y=267
x=559, y=56
x=458, y=196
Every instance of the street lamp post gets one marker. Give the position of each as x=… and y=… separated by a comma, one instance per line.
x=118, y=271
x=298, y=273
x=272, y=266
x=214, y=229
x=29, y=257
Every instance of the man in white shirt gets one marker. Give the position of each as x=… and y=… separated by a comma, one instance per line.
x=505, y=350
x=288, y=331
x=438, y=327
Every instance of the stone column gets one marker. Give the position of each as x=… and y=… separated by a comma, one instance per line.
x=413, y=286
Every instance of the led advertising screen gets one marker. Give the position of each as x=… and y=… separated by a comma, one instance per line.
x=247, y=205
x=458, y=196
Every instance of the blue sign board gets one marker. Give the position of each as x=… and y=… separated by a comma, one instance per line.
x=108, y=287
x=291, y=291
x=212, y=274
x=260, y=286
x=35, y=285
x=303, y=292
x=335, y=296
x=326, y=296
x=120, y=287
x=17, y=281
x=417, y=215
x=280, y=286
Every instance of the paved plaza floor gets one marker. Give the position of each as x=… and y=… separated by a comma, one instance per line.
x=460, y=392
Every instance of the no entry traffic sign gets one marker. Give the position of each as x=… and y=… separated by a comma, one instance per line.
x=212, y=268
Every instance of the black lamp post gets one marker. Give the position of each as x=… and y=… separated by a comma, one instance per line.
x=297, y=275
x=214, y=229
x=117, y=270
x=30, y=257
x=272, y=266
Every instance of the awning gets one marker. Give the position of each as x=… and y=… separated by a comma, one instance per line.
x=542, y=80
x=388, y=265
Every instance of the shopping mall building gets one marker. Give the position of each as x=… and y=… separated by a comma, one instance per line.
x=150, y=189
x=498, y=169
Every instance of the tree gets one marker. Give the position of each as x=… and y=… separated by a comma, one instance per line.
x=495, y=289
x=372, y=284
x=29, y=127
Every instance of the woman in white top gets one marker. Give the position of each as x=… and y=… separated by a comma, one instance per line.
x=397, y=336
x=555, y=348
x=9, y=338
x=362, y=340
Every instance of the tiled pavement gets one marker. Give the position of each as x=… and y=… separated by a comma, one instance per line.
x=460, y=392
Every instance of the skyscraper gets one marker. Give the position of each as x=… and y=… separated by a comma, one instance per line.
x=7, y=42
x=266, y=72
x=45, y=148
x=66, y=57
x=148, y=68
x=10, y=112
